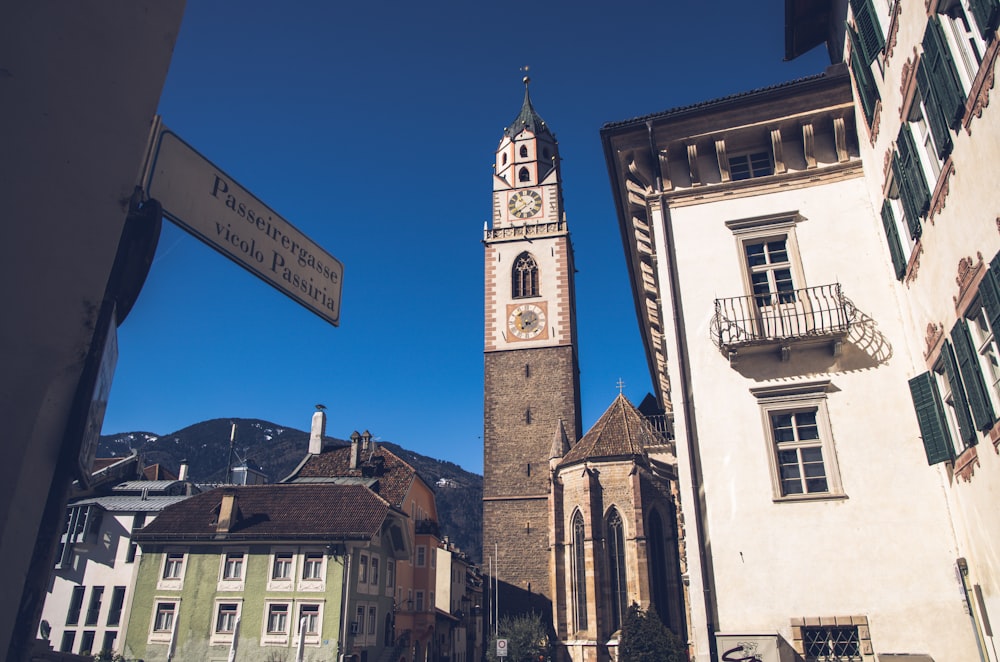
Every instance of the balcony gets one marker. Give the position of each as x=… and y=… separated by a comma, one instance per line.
x=779, y=320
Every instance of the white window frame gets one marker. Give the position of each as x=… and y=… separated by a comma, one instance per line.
x=958, y=442
x=277, y=638
x=390, y=576
x=311, y=638
x=174, y=582
x=923, y=138
x=419, y=604
x=228, y=560
x=906, y=242
x=987, y=350
x=363, y=570
x=310, y=583
x=964, y=41
x=284, y=583
x=217, y=637
x=421, y=556
x=163, y=636
x=811, y=396
x=373, y=571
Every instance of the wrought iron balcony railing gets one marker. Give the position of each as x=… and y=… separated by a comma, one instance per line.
x=782, y=317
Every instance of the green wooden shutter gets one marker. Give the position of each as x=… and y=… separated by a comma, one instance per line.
x=960, y=403
x=892, y=236
x=930, y=417
x=913, y=191
x=972, y=376
x=935, y=117
x=986, y=13
x=989, y=292
x=942, y=74
x=869, y=30
x=867, y=92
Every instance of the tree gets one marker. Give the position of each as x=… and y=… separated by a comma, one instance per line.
x=646, y=639
x=527, y=640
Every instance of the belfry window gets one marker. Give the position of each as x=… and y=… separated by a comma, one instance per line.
x=523, y=175
x=524, y=151
x=578, y=562
x=616, y=569
x=524, y=277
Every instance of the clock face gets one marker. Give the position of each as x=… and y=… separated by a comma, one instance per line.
x=526, y=321
x=525, y=204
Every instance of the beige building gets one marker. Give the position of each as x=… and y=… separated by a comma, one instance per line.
x=808, y=261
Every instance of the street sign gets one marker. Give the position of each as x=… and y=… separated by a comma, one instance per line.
x=501, y=648
x=212, y=206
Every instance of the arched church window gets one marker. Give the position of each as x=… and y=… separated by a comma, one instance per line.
x=578, y=563
x=503, y=159
x=524, y=277
x=616, y=569
x=524, y=151
x=523, y=175
x=658, y=558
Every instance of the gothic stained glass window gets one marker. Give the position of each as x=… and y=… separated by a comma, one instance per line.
x=616, y=569
x=579, y=570
x=524, y=276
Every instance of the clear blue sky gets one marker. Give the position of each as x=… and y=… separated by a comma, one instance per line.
x=371, y=127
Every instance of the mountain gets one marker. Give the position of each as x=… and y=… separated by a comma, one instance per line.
x=277, y=450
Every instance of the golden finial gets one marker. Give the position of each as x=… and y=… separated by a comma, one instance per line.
x=526, y=79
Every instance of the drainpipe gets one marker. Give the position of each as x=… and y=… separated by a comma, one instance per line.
x=345, y=596
x=690, y=429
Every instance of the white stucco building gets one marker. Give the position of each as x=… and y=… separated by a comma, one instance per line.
x=792, y=316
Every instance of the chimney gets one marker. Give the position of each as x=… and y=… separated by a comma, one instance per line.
x=355, y=454
x=227, y=510
x=318, y=431
x=182, y=473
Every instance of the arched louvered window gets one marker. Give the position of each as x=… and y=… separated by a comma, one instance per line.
x=524, y=151
x=578, y=563
x=523, y=175
x=524, y=277
x=616, y=568
x=658, y=559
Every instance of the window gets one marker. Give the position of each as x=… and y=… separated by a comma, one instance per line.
x=173, y=566
x=901, y=235
x=163, y=621
x=421, y=556
x=908, y=175
x=277, y=618
x=967, y=25
x=578, y=563
x=309, y=617
x=616, y=569
x=523, y=151
x=232, y=566
x=390, y=575
x=524, y=277
x=68, y=639
x=359, y=621
x=984, y=343
x=108, y=643
x=94, y=608
x=312, y=566
x=942, y=99
x=117, y=600
x=282, y=566
x=523, y=175
x=75, y=605
x=870, y=38
x=363, y=569
x=747, y=166
x=420, y=601
x=800, y=441
x=831, y=644
x=87, y=643
x=372, y=615
x=373, y=577
x=225, y=620
x=770, y=271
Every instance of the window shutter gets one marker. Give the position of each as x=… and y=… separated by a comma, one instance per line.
x=961, y=403
x=989, y=292
x=975, y=386
x=941, y=74
x=986, y=13
x=869, y=30
x=892, y=236
x=935, y=116
x=867, y=92
x=930, y=417
x=913, y=191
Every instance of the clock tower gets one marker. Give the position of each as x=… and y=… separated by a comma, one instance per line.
x=531, y=375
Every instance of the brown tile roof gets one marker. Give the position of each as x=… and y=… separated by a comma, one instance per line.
x=292, y=512
x=620, y=431
x=394, y=476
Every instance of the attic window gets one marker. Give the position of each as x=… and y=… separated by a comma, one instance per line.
x=523, y=175
x=524, y=151
x=747, y=166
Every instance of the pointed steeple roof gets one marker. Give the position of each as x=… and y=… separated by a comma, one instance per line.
x=560, y=444
x=620, y=432
x=528, y=118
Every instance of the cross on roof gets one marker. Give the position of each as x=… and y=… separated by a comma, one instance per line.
x=620, y=385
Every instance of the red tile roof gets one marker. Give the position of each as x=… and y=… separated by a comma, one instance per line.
x=621, y=431
x=292, y=512
x=394, y=476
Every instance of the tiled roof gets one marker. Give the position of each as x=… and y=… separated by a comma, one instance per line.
x=292, y=512
x=528, y=118
x=394, y=475
x=131, y=503
x=620, y=431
